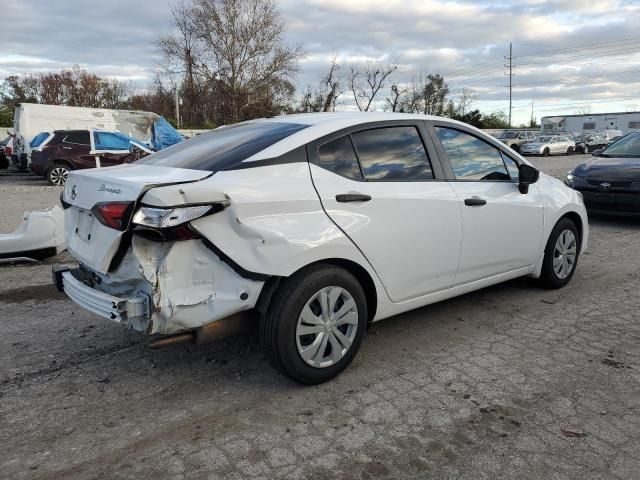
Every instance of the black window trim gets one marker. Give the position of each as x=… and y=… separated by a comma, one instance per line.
x=437, y=170
x=64, y=139
x=444, y=158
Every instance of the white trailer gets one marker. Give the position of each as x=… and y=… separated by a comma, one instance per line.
x=626, y=122
x=30, y=119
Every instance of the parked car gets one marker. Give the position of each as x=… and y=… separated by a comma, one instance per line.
x=549, y=145
x=590, y=142
x=516, y=139
x=318, y=223
x=614, y=139
x=610, y=181
x=30, y=119
x=54, y=154
x=6, y=148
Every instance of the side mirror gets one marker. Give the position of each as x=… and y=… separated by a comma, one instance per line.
x=596, y=153
x=527, y=175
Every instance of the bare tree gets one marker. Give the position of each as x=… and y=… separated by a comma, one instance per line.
x=366, y=80
x=586, y=110
x=243, y=54
x=466, y=98
x=394, y=100
x=324, y=97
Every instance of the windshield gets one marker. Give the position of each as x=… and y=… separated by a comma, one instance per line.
x=628, y=146
x=542, y=139
x=508, y=135
x=223, y=148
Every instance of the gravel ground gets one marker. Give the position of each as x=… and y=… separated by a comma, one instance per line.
x=477, y=387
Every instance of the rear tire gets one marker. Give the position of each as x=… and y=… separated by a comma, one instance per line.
x=570, y=151
x=57, y=174
x=299, y=335
x=545, y=152
x=560, y=255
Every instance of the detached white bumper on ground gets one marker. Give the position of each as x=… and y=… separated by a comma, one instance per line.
x=39, y=236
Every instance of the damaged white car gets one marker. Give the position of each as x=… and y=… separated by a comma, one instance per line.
x=319, y=224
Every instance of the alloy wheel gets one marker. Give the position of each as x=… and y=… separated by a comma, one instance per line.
x=58, y=176
x=327, y=327
x=564, y=254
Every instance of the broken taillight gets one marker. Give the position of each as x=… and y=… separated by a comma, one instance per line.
x=113, y=214
x=171, y=224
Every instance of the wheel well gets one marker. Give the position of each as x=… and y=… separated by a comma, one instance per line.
x=356, y=270
x=66, y=163
x=363, y=277
x=577, y=220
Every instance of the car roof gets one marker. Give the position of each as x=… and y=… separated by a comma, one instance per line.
x=324, y=123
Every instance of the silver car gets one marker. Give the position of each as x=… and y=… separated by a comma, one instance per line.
x=549, y=145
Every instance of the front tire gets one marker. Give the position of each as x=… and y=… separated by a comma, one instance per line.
x=560, y=255
x=315, y=324
x=57, y=174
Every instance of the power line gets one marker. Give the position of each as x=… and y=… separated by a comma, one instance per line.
x=592, y=46
x=571, y=79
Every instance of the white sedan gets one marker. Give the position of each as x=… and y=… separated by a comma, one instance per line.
x=319, y=224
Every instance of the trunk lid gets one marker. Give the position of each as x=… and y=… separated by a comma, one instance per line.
x=91, y=242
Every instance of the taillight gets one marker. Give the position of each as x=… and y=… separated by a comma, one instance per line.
x=114, y=215
x=171, y=224
x=8, y=151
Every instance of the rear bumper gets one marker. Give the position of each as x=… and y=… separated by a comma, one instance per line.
x=107, y=306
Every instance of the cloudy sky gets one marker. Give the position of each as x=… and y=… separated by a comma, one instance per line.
x=570, y=55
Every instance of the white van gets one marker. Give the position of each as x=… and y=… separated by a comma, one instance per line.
x=31, y=119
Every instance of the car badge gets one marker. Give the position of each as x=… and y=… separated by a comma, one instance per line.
x=74, y=193
x=605, y=186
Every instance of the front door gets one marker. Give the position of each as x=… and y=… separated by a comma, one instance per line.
x=502, y=228
x=379, y=186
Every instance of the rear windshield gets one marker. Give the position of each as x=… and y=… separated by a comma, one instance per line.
x=224, y=148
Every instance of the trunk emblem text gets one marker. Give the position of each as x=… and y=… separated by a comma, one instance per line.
x=104, y=188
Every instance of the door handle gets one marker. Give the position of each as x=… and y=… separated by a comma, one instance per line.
x=352, y=197
x=474, y=202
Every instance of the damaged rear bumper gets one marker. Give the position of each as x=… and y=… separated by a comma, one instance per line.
x=102, y=304
x=162, y=287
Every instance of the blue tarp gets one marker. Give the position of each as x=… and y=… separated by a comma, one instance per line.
x=115, y=141
x=164, y=135
x=38, y=139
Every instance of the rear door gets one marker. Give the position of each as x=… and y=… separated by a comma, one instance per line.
x=502, y=228
x=111, y=149
x=76, y=147
x=381, y=185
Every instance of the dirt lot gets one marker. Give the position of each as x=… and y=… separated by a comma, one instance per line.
x=476, y=387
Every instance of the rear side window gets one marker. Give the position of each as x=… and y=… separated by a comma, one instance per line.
x=338, y=156
x=392, y=153
x=78, y=138
x=38, y=139
x=224, y=148
x=470, y=157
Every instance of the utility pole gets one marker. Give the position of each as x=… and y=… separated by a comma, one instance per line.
x=177, y=105
x=531, y=124
x=511, y=65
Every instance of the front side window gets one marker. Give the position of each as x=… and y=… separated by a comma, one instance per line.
x=470, y=157
x=110, y=141
x=392, y=153
x=338, y=156
x=78, y=138
x=223, y=148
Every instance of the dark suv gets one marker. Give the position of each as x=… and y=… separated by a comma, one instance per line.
x=75, y=149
